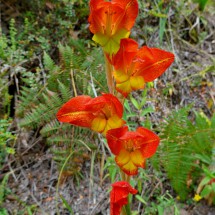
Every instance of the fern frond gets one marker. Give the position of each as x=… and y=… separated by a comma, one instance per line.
x=50, y=128
x=79, y=46
x=27, y=100
x=182, y=141
x=48, y=62
x=64, y=91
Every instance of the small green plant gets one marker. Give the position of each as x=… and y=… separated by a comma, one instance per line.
x=6, y=140
x=206, y=188
x=138, y=110
x=151, y=199
x=3, y=189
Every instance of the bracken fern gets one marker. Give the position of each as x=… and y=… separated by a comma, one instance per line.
x=40, y=104
x=183, y=144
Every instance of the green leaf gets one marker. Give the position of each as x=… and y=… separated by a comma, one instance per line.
x=204, y=181
x=135, y=103
x=138, y=197
x=202, y=4
x=10, y=150
x=48, y=62
x=131, y=115
x=67, y=205
x=147, y=110
x=127, y=106
x=3, y=211
x=160, y=15
x=160, y=210
x=206, y=191
x=204, y=158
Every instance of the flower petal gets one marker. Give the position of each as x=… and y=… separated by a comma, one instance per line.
x=98, y=124
x=137, y=82
x=115, y=103
x=114, y=143
x=137, y=158
x=122, y=158
x=114, y=122
x=120, y=76
x=75, y=112
x=122, y=189
x=123, y=59
x=129, y=168
x=130, y=14
x=153, y=62
x=119, y=196
x=111, y=44
x=124, y=88
x=151, y=142
x=97, y=18
x=110, y=102
x=133, y=83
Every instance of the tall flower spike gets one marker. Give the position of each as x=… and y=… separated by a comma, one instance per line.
x=110, y=21
x=131, y=148
x=119, y=196
x=134, y=67
x=99, y=114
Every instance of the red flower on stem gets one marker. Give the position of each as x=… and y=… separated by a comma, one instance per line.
x=134, y=67
x=131, y=148
x=110, y=21
x=119, y=196
x=99, y=114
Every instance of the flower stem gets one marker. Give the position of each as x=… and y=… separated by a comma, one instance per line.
x=109, y=75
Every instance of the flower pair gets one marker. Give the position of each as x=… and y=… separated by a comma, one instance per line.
x=104, y=115
x=111, y=22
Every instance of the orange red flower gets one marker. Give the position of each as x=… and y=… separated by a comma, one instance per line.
x=131, y=148
x=134, y=67
x=99, y=114
x=110, y=21
x=119, y=196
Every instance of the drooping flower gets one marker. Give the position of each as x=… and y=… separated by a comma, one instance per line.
x=119, y=196
x=131, y=148
x=134, y=67
x=99, y=114
x=110, y=21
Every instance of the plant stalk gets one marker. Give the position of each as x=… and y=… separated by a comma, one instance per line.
x=109, y=75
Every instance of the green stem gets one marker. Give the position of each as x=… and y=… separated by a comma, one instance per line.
x=128, y=209
x=109, y=75
x=123, y=211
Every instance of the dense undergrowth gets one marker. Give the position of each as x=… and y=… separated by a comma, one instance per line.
x=47, y=57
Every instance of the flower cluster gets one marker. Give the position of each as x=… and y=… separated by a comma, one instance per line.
x=128, y=68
